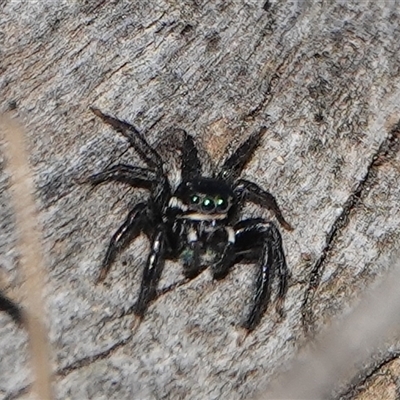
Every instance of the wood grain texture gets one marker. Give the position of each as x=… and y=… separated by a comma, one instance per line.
x=323, y=77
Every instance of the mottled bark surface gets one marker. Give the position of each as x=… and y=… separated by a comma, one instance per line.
x=323, y=77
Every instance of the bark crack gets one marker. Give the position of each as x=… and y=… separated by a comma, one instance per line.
x=358, y=383
x=388, y=148
x=86, y=361
x=81, y=363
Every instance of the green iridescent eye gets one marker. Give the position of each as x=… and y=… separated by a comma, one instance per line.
x=221, y=204
x=208, y=204
x=195, y=199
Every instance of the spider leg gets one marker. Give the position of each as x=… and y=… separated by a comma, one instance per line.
x=233, y=166
x=148, y=154
x=152, y=272
x=249, y=191
x=161, y=191
x=191, y=254
x=129, y=230
x=191, y=166
x=134, y=176
x=261, y=241
x=13, y=310
x=227, y=252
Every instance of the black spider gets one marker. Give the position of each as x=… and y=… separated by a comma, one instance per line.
x=198, y=223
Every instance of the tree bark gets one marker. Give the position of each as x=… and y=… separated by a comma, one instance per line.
x=323, y=77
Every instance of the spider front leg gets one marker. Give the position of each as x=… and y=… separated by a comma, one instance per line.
x=129, y=230
x=186, y=246
x=152, y=272
x=191, y=254
x=222, y=243
x=249, y=191
x=260, y=241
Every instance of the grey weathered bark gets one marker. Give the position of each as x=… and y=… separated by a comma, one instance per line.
x=322, y=76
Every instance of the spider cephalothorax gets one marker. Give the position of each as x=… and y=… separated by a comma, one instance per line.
x=198, y=223
x=203, y=199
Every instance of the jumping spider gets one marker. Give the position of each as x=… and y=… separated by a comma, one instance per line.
x=199, y=222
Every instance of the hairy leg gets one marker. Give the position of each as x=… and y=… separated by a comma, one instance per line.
x=224, y=248
x=137, y=141
x=129, y=230
x=134, y=176
x=191, y=166
x=261, y=241
x=152, y=272
x=233, y=166
x=249, y=191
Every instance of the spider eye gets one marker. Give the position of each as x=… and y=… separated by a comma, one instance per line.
x=208, y=204
x=195, y=199
x=221, y=204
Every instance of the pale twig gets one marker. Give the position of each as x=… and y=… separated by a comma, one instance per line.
x=30, y=249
